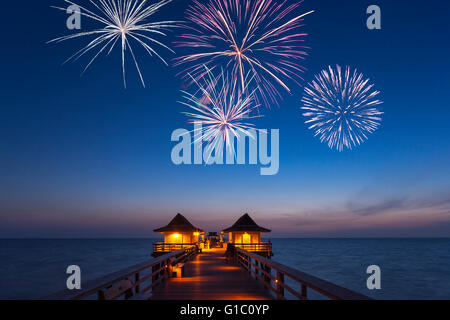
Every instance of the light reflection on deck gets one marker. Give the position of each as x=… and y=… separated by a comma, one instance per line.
x=209, y=277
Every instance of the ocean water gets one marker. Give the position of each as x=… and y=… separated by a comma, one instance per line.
x=410, y=268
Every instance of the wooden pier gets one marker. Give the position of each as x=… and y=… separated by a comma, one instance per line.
x=209, y=275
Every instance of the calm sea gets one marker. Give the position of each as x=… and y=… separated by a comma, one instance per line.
x=410, y=268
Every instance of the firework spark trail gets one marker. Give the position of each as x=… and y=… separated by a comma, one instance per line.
x=247, y=37
x=221, y=109
x=122, y=20
x=341, y=107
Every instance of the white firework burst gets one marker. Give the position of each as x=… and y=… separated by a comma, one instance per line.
x=123, y=21
x=341, y=107
x=222, y=109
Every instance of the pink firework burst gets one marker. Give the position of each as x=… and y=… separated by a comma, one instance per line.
x=251, y=39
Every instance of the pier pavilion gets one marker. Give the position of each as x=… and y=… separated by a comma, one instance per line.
x=178, y=234
x=246, y=234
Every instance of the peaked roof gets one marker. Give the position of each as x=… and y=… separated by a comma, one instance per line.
x=179, y=223
x=245, y=223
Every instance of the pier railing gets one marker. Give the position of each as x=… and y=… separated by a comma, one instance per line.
x=274, y=276
x=265, y=247
x=135, y=282
x=161, y=247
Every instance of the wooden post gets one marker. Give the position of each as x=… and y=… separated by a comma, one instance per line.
x=304, y=291
x=155, y=276
x=100, y=295
x=267, y=279
x=256, y=268
x=137, y=289
x=161, y=269
x=280, y=282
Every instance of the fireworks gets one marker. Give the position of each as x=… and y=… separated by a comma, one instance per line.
x=341, y=107
x=251, y=39
x=122, y=21
x=221, y=108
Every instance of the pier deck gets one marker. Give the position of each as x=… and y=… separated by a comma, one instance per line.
x=209, y=277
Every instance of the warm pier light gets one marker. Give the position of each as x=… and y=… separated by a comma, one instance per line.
x=196, y=233
x=176, y=235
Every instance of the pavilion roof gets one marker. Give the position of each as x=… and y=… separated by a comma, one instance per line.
x=245, y=223
x=179, y=223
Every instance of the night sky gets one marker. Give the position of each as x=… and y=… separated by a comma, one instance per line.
x=84, y=157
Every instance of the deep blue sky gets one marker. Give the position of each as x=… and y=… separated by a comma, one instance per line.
x=84, y=157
